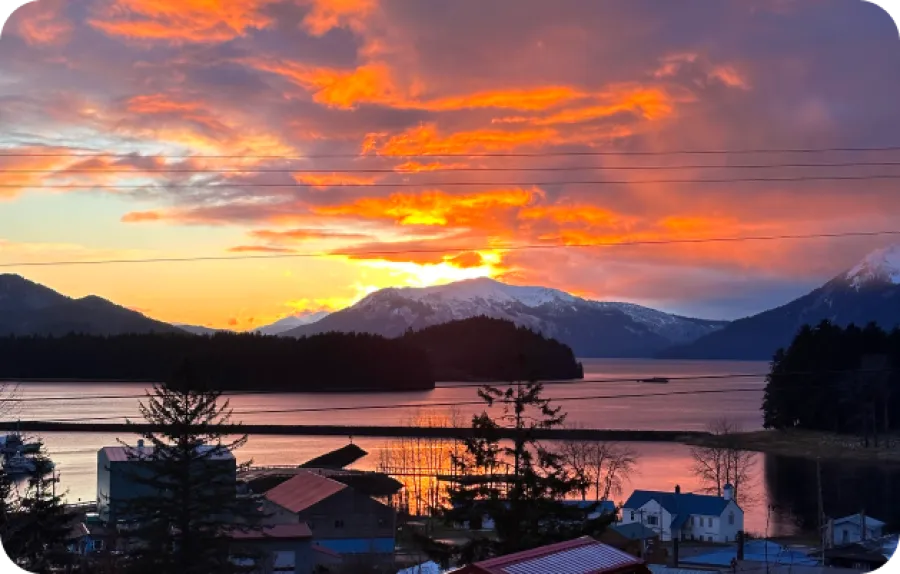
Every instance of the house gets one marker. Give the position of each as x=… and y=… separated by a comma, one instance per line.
x=119, y=469
x=634, y=538
x=865, y=555
x=283, y=548
x=854, y=528
x=340, y=518
x=584, y=555
x=686, y=516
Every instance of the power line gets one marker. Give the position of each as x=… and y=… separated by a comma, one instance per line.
x=446, y=404
x=465, y=183
x=226, y=395
x=447, y=169
x=489, y=154
x=452, y=249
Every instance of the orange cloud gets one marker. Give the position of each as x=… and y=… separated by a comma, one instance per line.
x=730, y=77
x=467, y=259
x=433, y=207
x=42, y=23
x=427, y=139
x=180, y=21
x=417, y=167
x=580, y=214
x=142, y=216
x=327, y=14
x=325, y=180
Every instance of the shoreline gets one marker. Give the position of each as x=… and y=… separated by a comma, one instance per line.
x=806, y=444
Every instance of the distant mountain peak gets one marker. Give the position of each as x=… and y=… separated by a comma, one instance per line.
x=881, y=265
x=293, y=321
x=590, y=328
x=470, y=290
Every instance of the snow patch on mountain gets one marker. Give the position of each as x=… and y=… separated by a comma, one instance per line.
x=292, y=321
x=880, y=265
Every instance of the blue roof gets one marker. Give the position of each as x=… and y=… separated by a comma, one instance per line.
x=680, y=504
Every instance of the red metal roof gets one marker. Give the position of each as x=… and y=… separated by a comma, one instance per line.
x=277, y=531
x=303, y=490
x=580, y=556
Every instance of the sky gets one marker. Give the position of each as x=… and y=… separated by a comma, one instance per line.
x=385, y=143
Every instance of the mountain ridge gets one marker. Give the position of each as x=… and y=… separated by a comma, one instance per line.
x=867, y=292
x=591, y=328
x=29, y=308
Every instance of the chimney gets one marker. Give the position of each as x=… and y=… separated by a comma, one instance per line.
x=728, y=492
x=677, y=489
x=740, y=548
x=862, y=524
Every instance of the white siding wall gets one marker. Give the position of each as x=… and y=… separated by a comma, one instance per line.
x=648, y=513
x=852, y=533
x=728, y=532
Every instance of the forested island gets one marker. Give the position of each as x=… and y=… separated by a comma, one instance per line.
x=486, y=349
x=474, y=349
x=836, y=379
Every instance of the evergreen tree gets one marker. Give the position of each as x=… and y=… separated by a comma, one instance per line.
x=189, y=506
x=35, y=525
x=519, y=486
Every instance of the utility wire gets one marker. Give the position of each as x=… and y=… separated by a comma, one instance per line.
x=226, y=394
x=447, y=404
x=447, y=169
x=217, y=185
x=551, y=383
x=493, y=154
x=451, y=249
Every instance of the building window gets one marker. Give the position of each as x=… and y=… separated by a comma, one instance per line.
x=338, y=523
x=844, y=535
x=709, y=522
x=731, y=518
x=709, y=538
x=632, y=516
x=695, y=521
x=651, y=520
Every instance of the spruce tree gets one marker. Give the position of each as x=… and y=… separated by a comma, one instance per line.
x=519, y=484
x=189, y=506
x=35, y=523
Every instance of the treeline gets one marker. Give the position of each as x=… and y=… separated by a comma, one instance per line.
x=473, y=349
x=487, y=349
x=227, y=361
x=837, y=379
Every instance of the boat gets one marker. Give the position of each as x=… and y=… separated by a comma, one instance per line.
x=18, y=465
x=658, y=380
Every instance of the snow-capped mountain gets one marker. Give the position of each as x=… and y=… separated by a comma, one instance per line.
x=591, y=328
x=869, y=291
x=292, y=322
x=880, y=266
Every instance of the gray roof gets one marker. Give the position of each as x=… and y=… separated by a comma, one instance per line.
x=634, y=531
x=125, y=453
x=857, y=520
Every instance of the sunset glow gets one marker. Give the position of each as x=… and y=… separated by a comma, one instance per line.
x=360, y=144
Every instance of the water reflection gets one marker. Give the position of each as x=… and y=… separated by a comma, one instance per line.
x=847, y=488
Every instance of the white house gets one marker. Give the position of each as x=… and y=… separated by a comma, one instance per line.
x=849, y=529
x=686, y=516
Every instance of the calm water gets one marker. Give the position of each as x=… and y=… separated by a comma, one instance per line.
x=661, y=466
